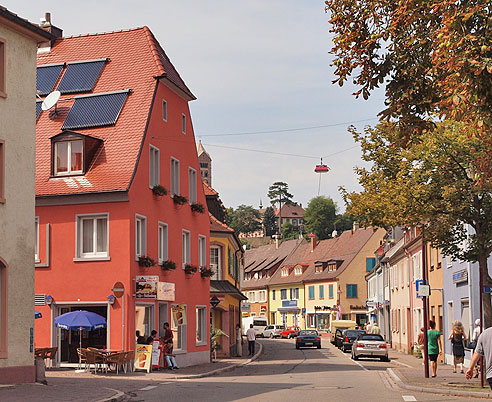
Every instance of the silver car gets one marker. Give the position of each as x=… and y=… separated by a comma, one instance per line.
x=370, y=345
x=273, y=331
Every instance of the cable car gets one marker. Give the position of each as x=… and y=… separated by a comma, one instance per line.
x=321, y=168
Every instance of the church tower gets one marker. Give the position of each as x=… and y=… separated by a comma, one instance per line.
x=205, y=164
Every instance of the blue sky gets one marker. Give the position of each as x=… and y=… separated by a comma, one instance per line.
x=254, y=66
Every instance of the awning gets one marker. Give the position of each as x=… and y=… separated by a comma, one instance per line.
x=288, y=309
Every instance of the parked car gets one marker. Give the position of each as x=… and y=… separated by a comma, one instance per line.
x=273, y=331
x=290, y=332
x=308, y=337
x=337, y=339
x=370, y=345
x=348, y=338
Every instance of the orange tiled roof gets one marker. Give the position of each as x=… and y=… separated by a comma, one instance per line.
x=209, y=190
x=218, y=226
x=135, y=61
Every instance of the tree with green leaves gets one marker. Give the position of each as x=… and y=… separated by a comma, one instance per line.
x=289, y=232
x=244, y=219
x=269, y=221
x=279, y=194
x=431, y=183
x=319, y=216
x=343, y=222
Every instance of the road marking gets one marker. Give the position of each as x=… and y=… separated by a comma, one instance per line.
x=360, y=365
x=148, y=388
x=401, y=364
x=408, y=398
x=168, y=382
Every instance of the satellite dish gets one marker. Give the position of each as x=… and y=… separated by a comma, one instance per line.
x=51, y=100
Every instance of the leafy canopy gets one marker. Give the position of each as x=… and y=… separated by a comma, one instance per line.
x=320, y=216
x=245, y=219
x=279, y=194
x=269, y=221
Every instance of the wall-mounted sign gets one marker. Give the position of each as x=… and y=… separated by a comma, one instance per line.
x=371, y=304
x=246, y=307
x=166, y=291
x=460, y=276
x=424, y=291
x=263, y=308
x=179, y=314
x=289, y=303
x=146, y=287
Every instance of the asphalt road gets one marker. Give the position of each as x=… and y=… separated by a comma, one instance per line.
x=285, y=374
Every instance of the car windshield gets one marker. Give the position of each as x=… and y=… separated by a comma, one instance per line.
x=371, y=337
x=259, y=323
x=308, y=332
x=280, y=327
x=354, y=333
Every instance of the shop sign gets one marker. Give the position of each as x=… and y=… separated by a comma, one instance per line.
x=166, y=291
x=143, y=357
x=246, y=307
x=460, y=276
x=371, y=304
x=263, y=308
x=289, y=303
x=179, y=314
x=146, y=287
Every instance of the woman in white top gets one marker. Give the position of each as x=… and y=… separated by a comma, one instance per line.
x=474, y=338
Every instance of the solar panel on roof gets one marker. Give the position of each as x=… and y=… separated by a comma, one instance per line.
x=38, y=109
x=46, y=77
x=81, y=76
x=95, y=110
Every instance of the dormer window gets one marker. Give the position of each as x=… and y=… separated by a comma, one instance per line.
x=69, y=157
x=72, y=153
x=298, y=271
x=318, y=268
x=332, y=266
x=284, y=272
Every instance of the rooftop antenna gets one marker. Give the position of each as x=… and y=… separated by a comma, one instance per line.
x=50, y=101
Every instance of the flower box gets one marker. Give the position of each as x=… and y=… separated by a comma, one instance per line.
x=168, y=265
x=198, y=208
x=179, y=199
x=190, y=269
x=159, y=190
x=145, y=261
x=206, y=272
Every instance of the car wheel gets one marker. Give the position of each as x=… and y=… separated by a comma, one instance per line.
x=298, y=347
x=319, y=346
x=271, y=335
x=385, y=359
x=355, y=357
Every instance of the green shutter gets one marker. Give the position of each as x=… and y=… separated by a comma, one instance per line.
x=330, y=291
x=311, y=292
x=321, y=291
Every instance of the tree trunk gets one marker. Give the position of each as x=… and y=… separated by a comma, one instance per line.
x=486, y=299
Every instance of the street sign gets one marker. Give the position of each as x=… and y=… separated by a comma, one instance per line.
x=424, y=291
x=214, y=301
x=303, y=311
x=118, y=289
x=487, y=289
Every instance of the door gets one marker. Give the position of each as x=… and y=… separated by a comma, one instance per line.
x=163, y=317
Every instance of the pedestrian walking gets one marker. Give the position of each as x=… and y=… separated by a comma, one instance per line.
x=369, y=327
x=458, y=339
x=421, y=342
x=375, y=329
x=473, y=344
x=434, y=346
x=239, y=341
x=483, y=348
x=251, y=335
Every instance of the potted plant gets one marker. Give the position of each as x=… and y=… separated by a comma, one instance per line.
x=145, y=261
x=179, y=199
x=215, y=333
x=206, y=272
x=159, y=190
x=190, y=269
x=168, y=265
x=197, y=207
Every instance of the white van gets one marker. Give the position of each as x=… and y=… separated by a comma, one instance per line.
x=259, y=324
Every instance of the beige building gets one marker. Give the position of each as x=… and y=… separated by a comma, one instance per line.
x=18, y=44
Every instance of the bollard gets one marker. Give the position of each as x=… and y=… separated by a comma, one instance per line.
x=40, y=371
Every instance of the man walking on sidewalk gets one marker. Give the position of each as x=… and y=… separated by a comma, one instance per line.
x=251, y=335
x=483, y=348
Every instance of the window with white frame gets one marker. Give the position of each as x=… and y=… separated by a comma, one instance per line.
x=186, y=247
x=201, y=322
x=215, y=263
x=183, y=123
x=179, y=334
x=92, y=236
x=283, y=294
x=251, y=297
x=192, y=185
x=68, y=157
x=262, y=296
x=163, y=242
x=294, y=294
x=174, y=176
x=140, y=235
x=298, y=271
x=36, y=239
x=202, y=251
x=284, y=272
x=154, y=177
x=164, y=110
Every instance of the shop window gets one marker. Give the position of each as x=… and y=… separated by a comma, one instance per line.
x=192, y=185
x=140, y=235
x=36, y=239
x=179, y=332
x=201, y=329
x=92, y=236
x=174, y=177
x=330, y=291
x=202, y=251
x=144, y=319
x=3, y=69
x=3, y=309
x=283, y=294
x=351, y=291
x=154, y=166
x=186, y=257
x=311, y=292
x=183, y=123
x=164, y=110
x=68, y=157
x=215, y=264
x=163, y=242
x=2, y=171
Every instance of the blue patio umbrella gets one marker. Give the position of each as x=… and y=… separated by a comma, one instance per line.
x=80, y=320
x=37, y=314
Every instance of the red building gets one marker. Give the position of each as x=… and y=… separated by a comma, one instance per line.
x=119, y=138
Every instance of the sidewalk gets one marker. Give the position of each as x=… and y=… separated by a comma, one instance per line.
x=410, y=375
x=67, y=385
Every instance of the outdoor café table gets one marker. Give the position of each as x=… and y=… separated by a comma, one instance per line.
x=105, y=353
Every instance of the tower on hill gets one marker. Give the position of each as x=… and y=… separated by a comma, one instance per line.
x=205, y=164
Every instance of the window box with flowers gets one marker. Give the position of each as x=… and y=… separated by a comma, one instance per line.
x=168, y=265
x=179, y=199
x=190, y=269
x=198, y=208
x=206, y=272
x=145, y=261
x=159, y=190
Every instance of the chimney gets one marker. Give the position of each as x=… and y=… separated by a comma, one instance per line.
x=45, y=23
x=313, y=241
x=355, y=226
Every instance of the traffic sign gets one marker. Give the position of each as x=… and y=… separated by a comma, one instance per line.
x=424, y=291
x=487, y=289
x=118, y=289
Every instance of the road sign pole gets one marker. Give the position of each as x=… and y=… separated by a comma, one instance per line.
x=424, y=304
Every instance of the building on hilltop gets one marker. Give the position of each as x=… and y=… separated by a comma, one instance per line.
x=291, y=213
x=19, y=40
x=116, y=179
x=205, y=164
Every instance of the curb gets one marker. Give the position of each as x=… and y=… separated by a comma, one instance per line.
x=119, y=396
x=224, y=369
x=442, y=391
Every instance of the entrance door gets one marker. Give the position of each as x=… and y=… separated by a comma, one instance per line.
x=144, y=319
x=163, y=317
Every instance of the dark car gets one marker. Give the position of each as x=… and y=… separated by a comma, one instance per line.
x=348, y=338
x=337, y=339
x=308, y=337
